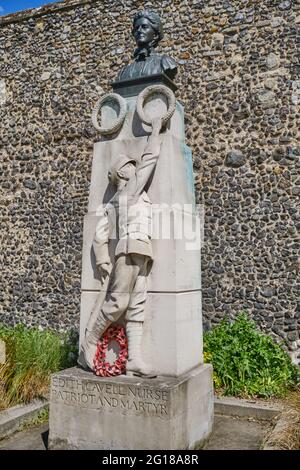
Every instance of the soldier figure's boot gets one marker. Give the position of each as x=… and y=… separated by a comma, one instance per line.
x=135, y=364
x=89, y=345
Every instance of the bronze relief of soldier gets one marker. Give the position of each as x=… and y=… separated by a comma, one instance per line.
x=148, y=32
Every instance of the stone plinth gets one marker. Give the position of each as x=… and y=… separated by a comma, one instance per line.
x=88, y=412
x=133, y=87
x=172, y=338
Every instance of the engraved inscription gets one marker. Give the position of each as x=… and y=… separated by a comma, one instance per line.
x=92, y=394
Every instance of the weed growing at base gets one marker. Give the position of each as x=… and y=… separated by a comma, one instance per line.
x=41, y=418
x=246, y=362
x=31, y=357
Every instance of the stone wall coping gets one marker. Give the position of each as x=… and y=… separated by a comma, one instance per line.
x=259, y=409
x=50, y=8
x=12, y=418
x=47, y=9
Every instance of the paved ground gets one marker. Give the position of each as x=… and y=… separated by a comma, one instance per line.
x=32, y=439
x=229, y=433
x=232, y=433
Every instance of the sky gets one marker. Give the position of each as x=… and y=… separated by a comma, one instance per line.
x=11, y=6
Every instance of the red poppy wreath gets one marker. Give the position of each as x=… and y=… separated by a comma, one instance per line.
x=101, y=366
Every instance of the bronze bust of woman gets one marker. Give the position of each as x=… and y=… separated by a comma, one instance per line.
x=147, y=31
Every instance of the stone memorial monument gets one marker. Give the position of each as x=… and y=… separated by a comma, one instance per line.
x=141, y=274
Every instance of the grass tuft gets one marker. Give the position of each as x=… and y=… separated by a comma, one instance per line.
x=41, y=418
x=31, y=357
x=286, y=434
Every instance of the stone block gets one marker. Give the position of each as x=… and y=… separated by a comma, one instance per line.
x=155, y=106
x=175, y=164
x=172, y=337
x=182, y=272
x=128, y=413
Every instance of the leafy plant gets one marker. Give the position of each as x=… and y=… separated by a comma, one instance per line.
x=31, y=356
x=246, y=362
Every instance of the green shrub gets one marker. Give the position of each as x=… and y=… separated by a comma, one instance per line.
x=246, y=362
x=31, y=357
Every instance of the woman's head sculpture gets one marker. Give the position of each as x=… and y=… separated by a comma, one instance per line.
x=147, y=29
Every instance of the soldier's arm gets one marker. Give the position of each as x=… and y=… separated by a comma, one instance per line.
x=145, y=168
x=154, y=143
x=100, y=244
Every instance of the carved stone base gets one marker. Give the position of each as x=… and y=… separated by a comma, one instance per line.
x=134, y=86
x=88, y=412
x=172, y=337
